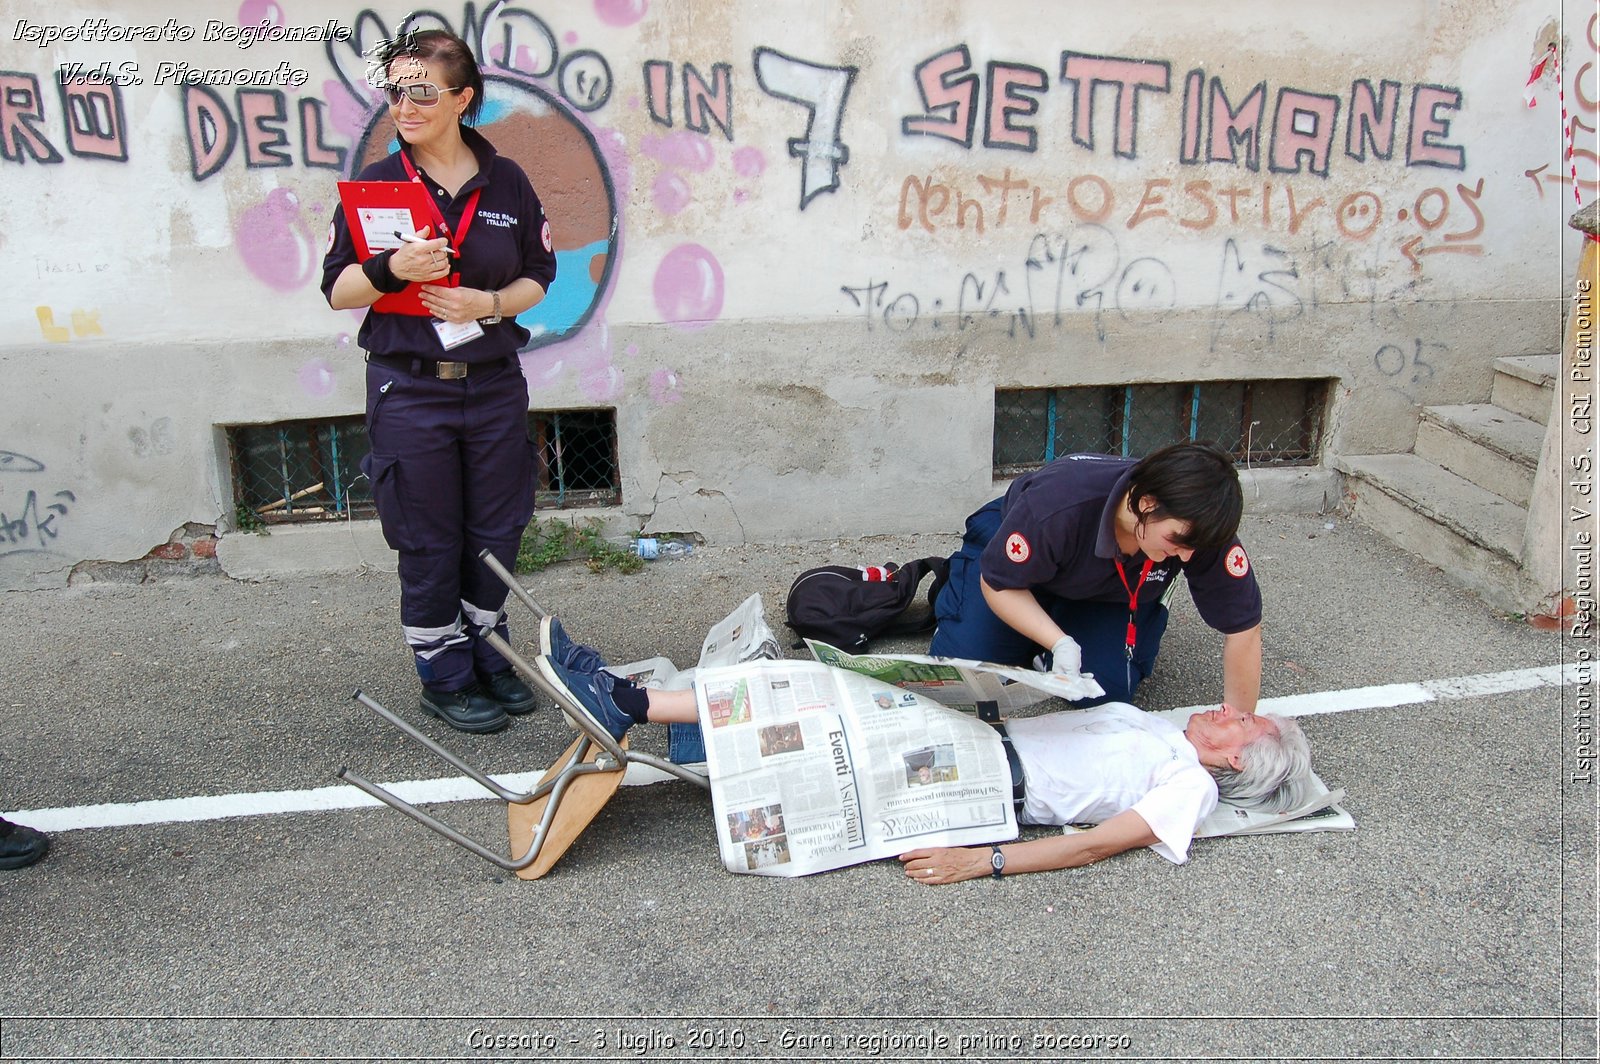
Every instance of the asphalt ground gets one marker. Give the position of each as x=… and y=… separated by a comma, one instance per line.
x=1457, y=921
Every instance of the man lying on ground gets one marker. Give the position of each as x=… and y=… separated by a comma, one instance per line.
x=1140, y=779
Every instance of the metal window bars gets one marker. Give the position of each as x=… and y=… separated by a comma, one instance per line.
x=310, y=470
x=1261, y=422
x=580, y=760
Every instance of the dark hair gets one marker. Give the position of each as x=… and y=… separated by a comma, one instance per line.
x=451, y=53
x=1191, y=482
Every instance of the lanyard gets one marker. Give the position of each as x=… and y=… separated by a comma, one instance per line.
x=468, y=212
x=1133, y=600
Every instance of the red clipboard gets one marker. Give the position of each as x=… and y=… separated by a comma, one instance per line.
x=374, y=211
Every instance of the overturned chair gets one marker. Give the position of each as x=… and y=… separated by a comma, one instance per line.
x=544, y=822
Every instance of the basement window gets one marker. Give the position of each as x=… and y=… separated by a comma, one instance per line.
x=1262, y=422
x=310, y=470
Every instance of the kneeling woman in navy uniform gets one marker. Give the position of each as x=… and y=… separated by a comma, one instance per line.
x=452, y=469
x=1077, y=559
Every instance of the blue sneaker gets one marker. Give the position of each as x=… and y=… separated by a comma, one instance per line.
x=555, y=644
x=590, y=694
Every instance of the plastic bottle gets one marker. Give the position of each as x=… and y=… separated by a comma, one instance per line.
x=650, y=548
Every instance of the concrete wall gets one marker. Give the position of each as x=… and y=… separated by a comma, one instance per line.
x=801, y=242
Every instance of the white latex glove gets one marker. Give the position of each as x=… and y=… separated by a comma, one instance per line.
x=1066, y=658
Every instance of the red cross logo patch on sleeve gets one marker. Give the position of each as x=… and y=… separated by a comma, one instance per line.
x=1238, y=565
x=1017, y=548
x=544, y=235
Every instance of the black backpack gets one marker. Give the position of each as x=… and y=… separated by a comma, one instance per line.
x=847, y=606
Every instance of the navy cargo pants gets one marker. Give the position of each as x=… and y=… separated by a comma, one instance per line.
x=968, y=628
x=452, y=473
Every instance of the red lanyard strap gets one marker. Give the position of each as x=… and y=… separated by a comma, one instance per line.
x=1133, y=600
x=468, y=212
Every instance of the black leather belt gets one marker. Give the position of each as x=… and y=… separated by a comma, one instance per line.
x=1019, y=783
x=427, y=367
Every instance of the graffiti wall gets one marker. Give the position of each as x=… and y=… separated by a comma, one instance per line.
x=800, y=245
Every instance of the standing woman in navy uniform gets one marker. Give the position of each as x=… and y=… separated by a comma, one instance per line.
x=451, y=466
x=1078, y=556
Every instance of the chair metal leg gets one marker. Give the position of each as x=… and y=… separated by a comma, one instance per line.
x=612, y=758
x=555, y=787
x=577, y=717
x=512, y=584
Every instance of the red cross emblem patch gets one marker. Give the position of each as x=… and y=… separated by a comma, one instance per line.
x=1238, y=565
x=1017, y=548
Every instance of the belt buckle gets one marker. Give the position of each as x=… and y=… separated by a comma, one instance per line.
x=450, y=371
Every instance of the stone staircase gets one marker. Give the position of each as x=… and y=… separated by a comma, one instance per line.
x=1460, y=499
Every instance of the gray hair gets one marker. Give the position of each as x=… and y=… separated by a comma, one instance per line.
x=1276, y=775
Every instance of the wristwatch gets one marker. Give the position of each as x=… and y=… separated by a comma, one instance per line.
x=493, y=318
x=998, y=861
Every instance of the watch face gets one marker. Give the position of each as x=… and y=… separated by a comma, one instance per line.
x=998, y=861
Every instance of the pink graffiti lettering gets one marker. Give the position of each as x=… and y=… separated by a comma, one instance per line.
x=95, y=123
x=1303, y=125
x=1372, y=120
x=1010, y=89
x=1426, y=146
x=20, y=110
x=949, y=98
x=658, y=90
x=704, y=104
x=214, y=130
x=1127, y=78
x=1232, y=126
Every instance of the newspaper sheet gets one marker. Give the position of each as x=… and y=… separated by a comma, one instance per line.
x=1318, y=813
x=742, y=635
x=957, y=682
x=814, y=768
x=961, y=684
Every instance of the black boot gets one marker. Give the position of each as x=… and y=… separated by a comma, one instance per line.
x=20, y=846
x=508, y=690
x=468, y=710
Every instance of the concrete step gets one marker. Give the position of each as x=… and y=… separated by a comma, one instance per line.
x=1488, y=445
x=1475, y=536
x=1523, y=384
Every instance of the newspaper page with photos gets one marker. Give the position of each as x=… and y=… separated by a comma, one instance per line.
x=957, y=682
x=961, y=684
x=814, y=768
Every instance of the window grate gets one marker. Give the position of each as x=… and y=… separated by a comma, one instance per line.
x=1263, y=422
x=310, y=470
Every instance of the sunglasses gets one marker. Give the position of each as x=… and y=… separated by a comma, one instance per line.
x=421, y=93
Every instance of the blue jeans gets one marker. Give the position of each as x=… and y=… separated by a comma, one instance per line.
x=685, y=744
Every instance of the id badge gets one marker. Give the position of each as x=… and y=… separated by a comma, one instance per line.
x=452, y=335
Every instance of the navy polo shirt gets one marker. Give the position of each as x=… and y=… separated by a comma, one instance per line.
x=1057, y=535
x=507, y=239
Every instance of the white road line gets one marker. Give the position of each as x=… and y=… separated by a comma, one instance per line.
x=1406, y=694
x=459, y=789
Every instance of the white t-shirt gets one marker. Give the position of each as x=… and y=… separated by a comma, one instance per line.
x=1086, y=766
